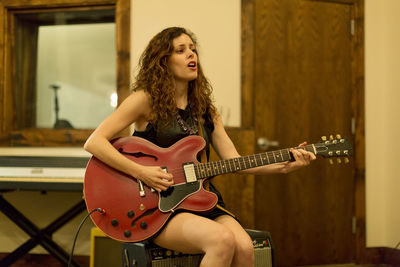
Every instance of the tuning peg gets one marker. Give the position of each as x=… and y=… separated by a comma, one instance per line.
x=331, y=137
x=346, y=160
x=339, y=160
x=330, y=161
x=338, y=136
x=323, y=138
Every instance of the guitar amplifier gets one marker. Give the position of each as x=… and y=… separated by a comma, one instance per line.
x=146, y=254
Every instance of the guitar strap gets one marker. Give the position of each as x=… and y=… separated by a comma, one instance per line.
x=203, y=157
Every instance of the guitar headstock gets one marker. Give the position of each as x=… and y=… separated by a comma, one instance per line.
x=337, y=147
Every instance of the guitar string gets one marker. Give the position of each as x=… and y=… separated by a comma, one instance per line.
x=244, y=160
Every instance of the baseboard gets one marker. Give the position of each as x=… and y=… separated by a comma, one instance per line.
x=40, y=260
x=391, y=256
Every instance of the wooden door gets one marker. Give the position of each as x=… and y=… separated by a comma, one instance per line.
x=302, y=91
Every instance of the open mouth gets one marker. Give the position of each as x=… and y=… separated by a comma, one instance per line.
x=192, y=65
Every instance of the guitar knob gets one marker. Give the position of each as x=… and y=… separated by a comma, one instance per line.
x=130, y=214
x=114, y=222
x=127, y=233
x=143, y=225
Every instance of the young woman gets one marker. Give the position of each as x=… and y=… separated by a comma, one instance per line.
x=171, y=99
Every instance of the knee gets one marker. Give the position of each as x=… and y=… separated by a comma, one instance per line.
x=245, y=250
x=223, y=241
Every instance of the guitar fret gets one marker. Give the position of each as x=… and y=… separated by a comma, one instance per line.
x=202, y=171
x=216, y=168
x=270, y=158
x=228, y=165
x=219, y=164
x=223, y=167
x=254, y=161
x=237, y=164
x=208, y=171
x=213, y=168
x=259, y=159
x=265, y=159
x=247, y=164
x=242, y=163
x=288, y=154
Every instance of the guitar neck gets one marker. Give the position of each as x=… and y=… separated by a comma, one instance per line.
x=214, y=168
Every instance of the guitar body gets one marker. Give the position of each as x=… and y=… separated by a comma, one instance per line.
x=132, y=213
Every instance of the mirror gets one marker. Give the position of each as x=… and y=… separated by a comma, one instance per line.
x=76, y=75
x=72, y=82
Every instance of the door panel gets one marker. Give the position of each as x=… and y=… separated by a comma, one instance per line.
x=303, y=90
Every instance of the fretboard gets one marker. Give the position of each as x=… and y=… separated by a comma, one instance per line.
x=204, y=170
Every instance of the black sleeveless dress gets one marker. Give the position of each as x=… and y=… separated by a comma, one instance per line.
x=165, y=136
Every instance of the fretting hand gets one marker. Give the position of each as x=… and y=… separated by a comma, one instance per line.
x=302, y=158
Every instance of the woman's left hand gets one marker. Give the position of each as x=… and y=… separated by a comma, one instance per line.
x=302, y=158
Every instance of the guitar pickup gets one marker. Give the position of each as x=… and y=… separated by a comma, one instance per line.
x=190, y=174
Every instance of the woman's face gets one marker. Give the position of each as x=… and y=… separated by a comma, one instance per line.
x=183, y=60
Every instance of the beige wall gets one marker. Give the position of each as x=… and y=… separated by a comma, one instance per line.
x=382, y=95
x=216, y=25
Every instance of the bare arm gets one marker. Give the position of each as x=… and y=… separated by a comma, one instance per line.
x=225, y=148
x=133, y=109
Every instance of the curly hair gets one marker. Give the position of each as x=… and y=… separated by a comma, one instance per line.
x=155, y=78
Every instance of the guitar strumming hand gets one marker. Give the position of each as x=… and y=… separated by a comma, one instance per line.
x=135, y=212
x=155, y=177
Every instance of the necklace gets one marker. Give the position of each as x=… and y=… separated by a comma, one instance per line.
x=191, y=130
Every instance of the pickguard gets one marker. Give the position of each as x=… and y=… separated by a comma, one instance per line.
x=174, y=195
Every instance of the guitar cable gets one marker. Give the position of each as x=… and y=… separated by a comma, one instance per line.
x=77, y=232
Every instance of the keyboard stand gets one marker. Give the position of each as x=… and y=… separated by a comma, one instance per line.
x=38, y=236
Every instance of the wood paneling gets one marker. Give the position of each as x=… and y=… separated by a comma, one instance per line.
x=49, y=137
x=25, y=46
x=248, y=62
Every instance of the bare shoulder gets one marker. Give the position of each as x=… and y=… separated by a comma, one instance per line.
x=140, y=96
x=139, y=101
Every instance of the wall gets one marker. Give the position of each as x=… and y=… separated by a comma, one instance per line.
x=382, y=94
x=216, y=25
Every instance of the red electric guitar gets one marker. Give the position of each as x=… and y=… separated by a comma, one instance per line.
x=134, y=212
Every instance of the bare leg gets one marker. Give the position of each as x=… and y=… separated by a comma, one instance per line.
x=244, y=250
x=190, y=233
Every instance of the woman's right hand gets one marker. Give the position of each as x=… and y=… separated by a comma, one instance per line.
x=155, y=177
